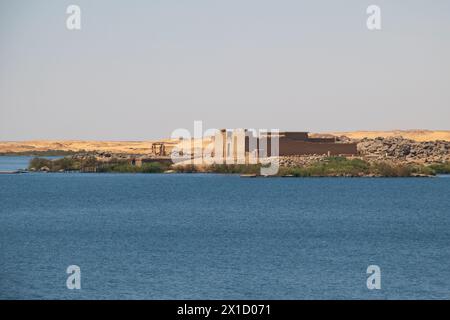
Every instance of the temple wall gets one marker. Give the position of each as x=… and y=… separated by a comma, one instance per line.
x=290, y=147
x=290, y=143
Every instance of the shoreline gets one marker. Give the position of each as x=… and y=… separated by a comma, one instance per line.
x=337, y=166
x=18, y=172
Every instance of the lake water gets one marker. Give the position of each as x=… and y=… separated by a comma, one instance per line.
x=11, y=163
x=199, y=236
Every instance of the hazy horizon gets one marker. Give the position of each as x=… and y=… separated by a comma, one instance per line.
x=191, y=130
x=138, y=70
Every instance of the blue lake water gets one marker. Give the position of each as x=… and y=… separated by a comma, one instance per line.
x=223, y=237
x=12, y=163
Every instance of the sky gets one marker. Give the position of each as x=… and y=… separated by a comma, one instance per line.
x=140, y=69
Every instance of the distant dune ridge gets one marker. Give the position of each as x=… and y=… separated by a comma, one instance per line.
x=143, y=147
x=127, y=147
x=416, y=135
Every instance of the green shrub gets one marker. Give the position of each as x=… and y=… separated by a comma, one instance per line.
x=441, y=168
x=339, y=166
x=189, y=168
x=38, y=163
x=153, y=167
x=388, y=170
x=66, y=164
x=332, y=166
x=234, y=168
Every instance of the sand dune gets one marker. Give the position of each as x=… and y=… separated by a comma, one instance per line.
x=129, y=147
x=417, y=135
x=144, y=147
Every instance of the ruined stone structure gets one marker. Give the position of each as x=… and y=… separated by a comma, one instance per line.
x=243, y=147
x=298, y=143
x=158, y=148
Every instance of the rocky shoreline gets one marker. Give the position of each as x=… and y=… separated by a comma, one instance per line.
x=404, y=150
x=396, y=150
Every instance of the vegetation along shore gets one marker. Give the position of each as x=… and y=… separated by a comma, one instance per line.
x=326, y=167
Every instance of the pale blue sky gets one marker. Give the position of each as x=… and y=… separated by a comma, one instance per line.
x=140, y=69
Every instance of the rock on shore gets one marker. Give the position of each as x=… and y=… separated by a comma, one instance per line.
x=391, y=149
x=404, y=150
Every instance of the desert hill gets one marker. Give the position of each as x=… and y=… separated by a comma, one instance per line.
x=144, y=147
x=416, y=135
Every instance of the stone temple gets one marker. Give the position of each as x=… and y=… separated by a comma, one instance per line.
x=244, y=144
